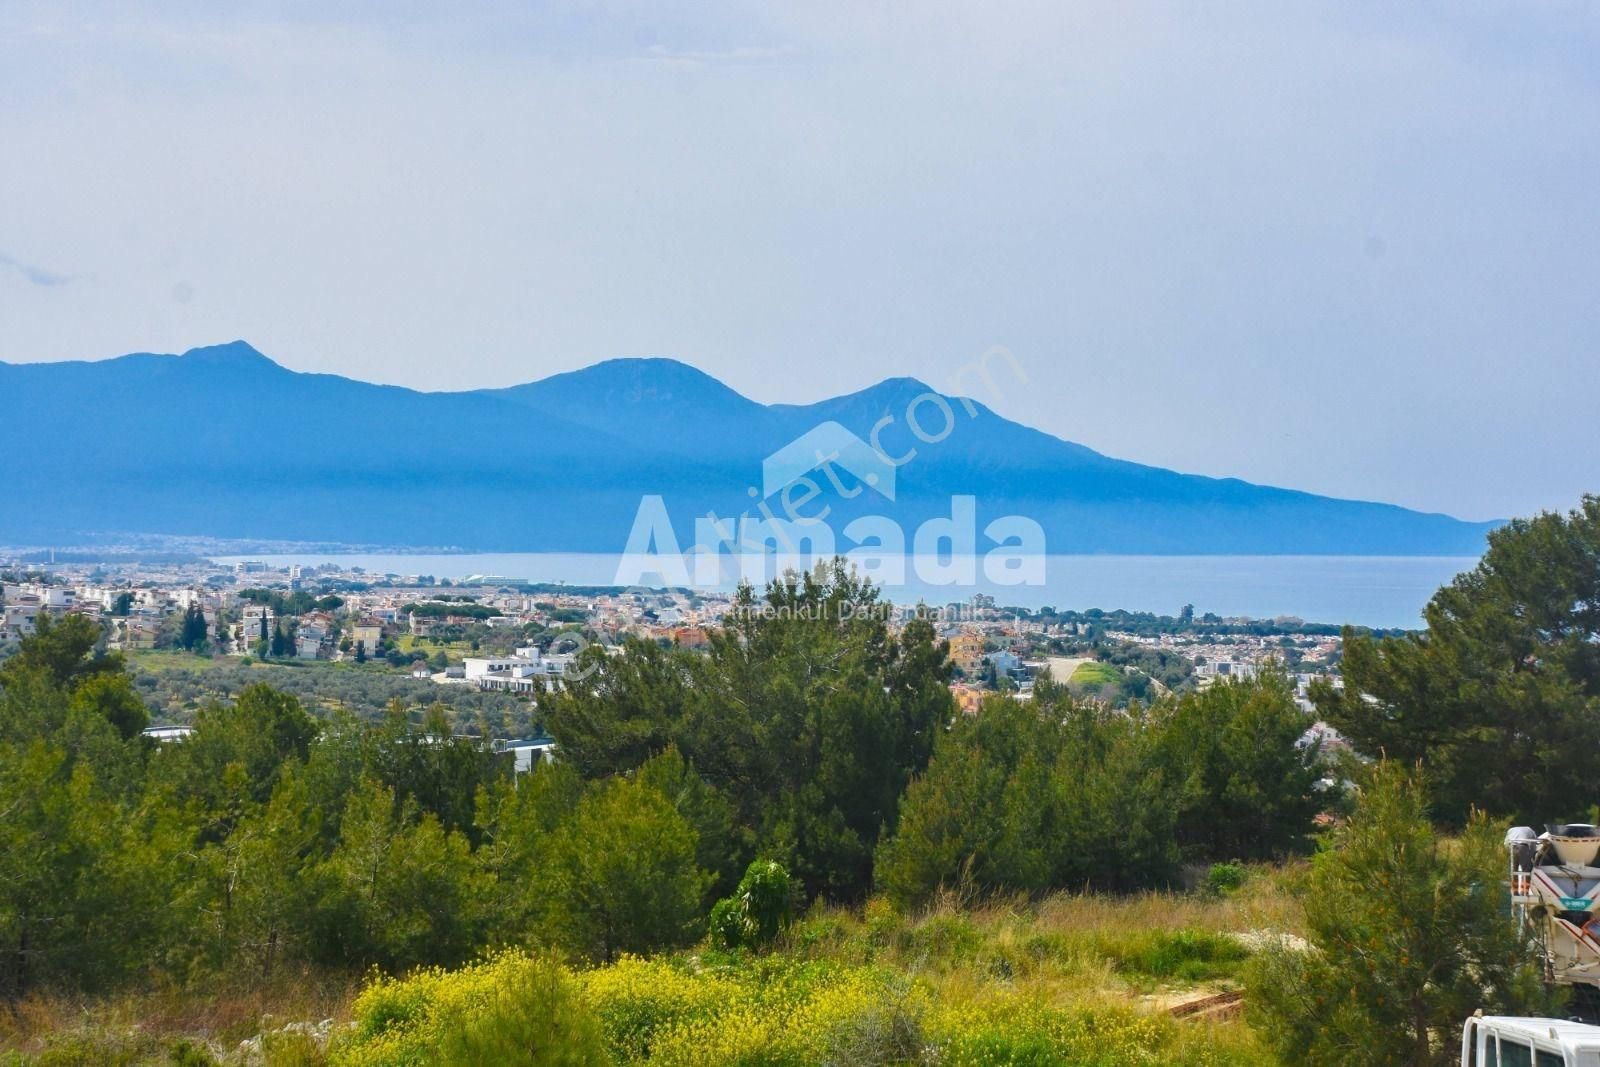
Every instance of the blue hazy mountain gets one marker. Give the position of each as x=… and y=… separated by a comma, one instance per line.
x=223, y=442
x=664, y=402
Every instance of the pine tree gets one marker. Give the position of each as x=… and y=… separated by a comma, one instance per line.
x=808, y=714
x=515, y=822
x=1500, y=698
x=83, y=876
x=620, y=875
x=1247, y=786
x=399, y=890
x=255, y=888
x=1051, y=794
x=1409, y=935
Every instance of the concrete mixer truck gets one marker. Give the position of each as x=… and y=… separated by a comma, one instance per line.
x=1555, y=896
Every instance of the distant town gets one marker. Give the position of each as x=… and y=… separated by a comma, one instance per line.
x=517, y=639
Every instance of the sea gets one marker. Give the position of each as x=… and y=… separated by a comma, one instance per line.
x=1375, y=591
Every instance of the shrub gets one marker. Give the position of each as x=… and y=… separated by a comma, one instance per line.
x=727, y=923
x=948, y=938
x=638, y=1001
x=759, y=910
x=283, y=1049
x=820, y=932
x=1024, y=1031
x=773, y=1011
x=109, y=1047
x=884, y=1027
x=1188, y=955
x=1224, y=878
x=512, y=1009
x=620, y=876
x=535, y=1019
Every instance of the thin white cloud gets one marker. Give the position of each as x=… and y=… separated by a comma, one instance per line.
x=36, y=275
x=741, y=54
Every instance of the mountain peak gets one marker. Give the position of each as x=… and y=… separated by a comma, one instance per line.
x=661, y=375
x=237, y=353
x=629, y=385
x=900, y=386
x=647, y=365
x=891, y=393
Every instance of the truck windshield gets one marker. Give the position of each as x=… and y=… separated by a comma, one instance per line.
x=1514, y=1053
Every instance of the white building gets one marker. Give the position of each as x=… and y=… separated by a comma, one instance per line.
x=255, y=621
x=57, y=598
x=528, y=671
x=527, y=753
x=1226, y=669
x=17, y=618
x=168, y=734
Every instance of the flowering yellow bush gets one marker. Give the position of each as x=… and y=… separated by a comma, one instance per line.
x=773, y=1010
x=639, y=1000
x=511, y=1009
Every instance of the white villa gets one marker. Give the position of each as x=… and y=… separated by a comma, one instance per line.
x=527, y=671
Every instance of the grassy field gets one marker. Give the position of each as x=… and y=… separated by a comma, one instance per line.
x=1070, y=979
x=1096, y=673
x=159, y=662
x=456, y=650
x=162, y=661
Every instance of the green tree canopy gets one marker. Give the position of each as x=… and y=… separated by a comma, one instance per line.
x=1247, y=786
x=113, y=698
x=806, y=712
x=237, y=754
x=398, y=890
x=192, y=632
x=1499, y=699
x=63, y=652
x=620, y=874
x=1030, y=796
x=84, y=873
x=1408, y=934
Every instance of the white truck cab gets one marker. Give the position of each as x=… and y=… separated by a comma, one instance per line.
x=1511, y=1041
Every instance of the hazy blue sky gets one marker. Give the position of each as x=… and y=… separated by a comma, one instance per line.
x=1348, y=248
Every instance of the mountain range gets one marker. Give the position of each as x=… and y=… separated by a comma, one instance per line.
x=223, y=442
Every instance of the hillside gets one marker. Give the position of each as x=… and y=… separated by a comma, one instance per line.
x=224, y=442
x=1148, y=979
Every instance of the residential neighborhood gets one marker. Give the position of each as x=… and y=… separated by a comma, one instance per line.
x=501, y=635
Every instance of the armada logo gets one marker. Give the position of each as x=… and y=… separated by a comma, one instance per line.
x=819, y=449
x=787, y=528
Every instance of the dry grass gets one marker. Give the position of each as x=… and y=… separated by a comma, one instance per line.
x=1067, y=950
x=148, y=1026
x=1266, y=901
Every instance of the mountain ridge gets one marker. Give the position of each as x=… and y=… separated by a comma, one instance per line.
x=223, y=441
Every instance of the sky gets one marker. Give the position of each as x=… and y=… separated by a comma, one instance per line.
x=1349, y=248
